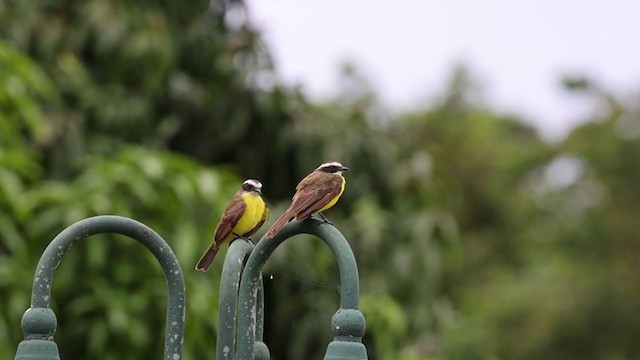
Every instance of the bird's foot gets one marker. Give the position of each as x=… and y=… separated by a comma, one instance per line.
x=236, y=237
x=325, y=220
x=245, y=238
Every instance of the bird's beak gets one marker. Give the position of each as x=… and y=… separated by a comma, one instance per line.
x=344, y=168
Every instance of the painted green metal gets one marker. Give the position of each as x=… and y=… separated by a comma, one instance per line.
x=348, y=324
x=39, y=321
x=234, y=261
x=261, y=351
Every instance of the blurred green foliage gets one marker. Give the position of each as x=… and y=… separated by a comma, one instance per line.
x=475, y=239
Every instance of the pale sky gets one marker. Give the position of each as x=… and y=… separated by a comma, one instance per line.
x=407, y=49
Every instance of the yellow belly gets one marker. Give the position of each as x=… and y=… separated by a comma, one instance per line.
x=335, y=199
x=252, y=214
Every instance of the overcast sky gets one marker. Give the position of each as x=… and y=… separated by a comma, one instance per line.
x=407, y=48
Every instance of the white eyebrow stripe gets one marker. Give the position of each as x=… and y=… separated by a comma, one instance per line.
x=255, y=183
x=333, y=163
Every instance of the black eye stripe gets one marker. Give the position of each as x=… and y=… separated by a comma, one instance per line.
x=331, y=169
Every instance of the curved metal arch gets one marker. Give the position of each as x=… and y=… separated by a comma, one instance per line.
x=39, y=322
x=348, y=324
x=238, y=252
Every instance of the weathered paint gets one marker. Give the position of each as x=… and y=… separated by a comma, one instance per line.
x=39, y=321
x=234, y=261
x=348, y=324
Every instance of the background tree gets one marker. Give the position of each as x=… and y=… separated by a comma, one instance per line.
x=475, y=239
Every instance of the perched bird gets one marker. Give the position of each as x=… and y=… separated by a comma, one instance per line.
x=316, y=193
x=243, y=216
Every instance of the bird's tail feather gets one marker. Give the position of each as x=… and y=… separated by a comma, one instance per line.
x=280, y=223
x=207, y=258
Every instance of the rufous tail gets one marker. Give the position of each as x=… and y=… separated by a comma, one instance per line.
x=207, y=258
x=281, y=222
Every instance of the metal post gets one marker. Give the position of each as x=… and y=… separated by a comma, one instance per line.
x=348, y=324
x=234, y=261
x=39, y=321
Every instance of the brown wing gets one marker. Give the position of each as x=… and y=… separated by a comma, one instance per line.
x=314, y=192
x=265, y=217
x=230, y=218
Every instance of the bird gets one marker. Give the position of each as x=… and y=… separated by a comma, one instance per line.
x=316, y=193
x=244, y=215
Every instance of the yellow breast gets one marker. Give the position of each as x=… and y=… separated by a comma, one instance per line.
x=335, y=199
x=252, y=214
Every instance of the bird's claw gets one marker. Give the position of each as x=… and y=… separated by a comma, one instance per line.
x=238, y=237
x=325, y=220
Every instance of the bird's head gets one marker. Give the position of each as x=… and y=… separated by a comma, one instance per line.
x=332, y=168
x=252, y=185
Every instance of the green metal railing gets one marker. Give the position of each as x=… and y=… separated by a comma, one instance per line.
x=348, y=323
x=241, y=307
x=39, y=321
x=234, y=262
